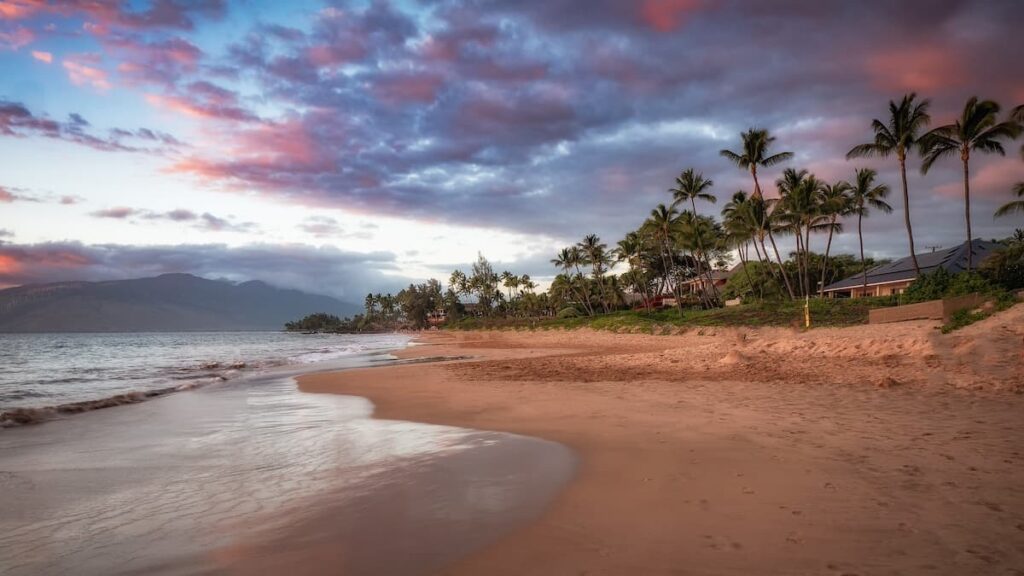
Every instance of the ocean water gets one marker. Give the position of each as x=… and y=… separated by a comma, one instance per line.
x=39, y=373
x=229, y=460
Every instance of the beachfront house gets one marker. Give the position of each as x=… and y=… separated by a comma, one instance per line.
x=701, y=283
x=896, y=277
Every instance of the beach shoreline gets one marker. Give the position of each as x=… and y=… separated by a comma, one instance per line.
x=738, y=451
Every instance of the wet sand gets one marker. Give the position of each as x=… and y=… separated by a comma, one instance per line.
x=870, y=450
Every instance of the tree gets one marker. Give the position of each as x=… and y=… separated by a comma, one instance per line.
x=977, y=130
x=740, y=227
x=898, y=136
x=1014, y=206
x=593, y=251
x=835, y=204
x=566, y=260
x=690, y=187
x=865, y=194
x=800, y=207
x=663, y=222
x=752, y=154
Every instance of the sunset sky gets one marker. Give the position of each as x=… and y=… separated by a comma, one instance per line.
x=342, y=147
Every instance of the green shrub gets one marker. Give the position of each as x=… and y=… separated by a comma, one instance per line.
x=568, y=312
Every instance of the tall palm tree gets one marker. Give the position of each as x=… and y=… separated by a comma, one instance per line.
x=800, y=204
x=978, y=129
x=738, y=219
x=835, y=203
x=898, y=136
x=754, y=154
x=865, y=194
x=594, y=250
x=690, y=187
x=664, y=221
x=631, y=251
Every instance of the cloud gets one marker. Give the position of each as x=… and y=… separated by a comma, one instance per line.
x=83, y=70
x=205, y=221
x=18, y=121
x=16, y=38
x=175, y=14
x=116, y=213
x=537, y=115
x=9, y=194
x=42, y=56
x=6, y=233
x=327, y=270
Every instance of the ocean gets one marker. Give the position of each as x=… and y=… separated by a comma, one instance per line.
x=185, y=453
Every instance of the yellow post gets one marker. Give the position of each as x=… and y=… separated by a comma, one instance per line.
x=807, y=311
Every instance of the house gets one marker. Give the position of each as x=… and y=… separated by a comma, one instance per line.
x=718, y=277
x=896, y=277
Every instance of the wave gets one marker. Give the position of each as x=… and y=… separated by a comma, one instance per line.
x=22, y=416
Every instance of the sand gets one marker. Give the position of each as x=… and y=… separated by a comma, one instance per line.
x=887, y=449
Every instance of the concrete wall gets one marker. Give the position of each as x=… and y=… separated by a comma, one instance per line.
x=931, y=310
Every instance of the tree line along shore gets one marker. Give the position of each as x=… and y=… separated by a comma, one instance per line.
x=675, y=261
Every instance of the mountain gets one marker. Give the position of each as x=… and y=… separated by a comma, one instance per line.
x=167, y=303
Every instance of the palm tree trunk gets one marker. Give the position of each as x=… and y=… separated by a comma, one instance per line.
x=967, y=208
x=799, y=260
x=906, y=212
x=807, y=260
x=743, y=262
x=700, y=246
x=824, y=263
x=782, y=270
x=860, y=235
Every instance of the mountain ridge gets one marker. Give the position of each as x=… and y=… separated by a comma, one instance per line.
x=174, y=302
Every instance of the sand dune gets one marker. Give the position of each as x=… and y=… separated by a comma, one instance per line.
x=869, y=450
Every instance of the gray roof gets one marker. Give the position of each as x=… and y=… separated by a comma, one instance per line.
x=952, y=259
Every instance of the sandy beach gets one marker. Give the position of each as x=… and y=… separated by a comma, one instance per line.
x=872, y=450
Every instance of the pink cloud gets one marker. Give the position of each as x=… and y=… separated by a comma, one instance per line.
x=16, y=39
x=42, y=56
x=103, y=13
x=990, y=178
x=667, y=15
x=116, y=213
x=204, y=100
x=408, y=86
x=17, y=9
x=920, y=68
x=82, y=72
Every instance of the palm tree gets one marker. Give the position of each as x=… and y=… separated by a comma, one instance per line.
x=1017, y=115
x=864, y=195
x=664, y=222
x=594, y=250
x=631, y=251
x=506, y=281
x=835, y=203
x=692, y=186
x=568, y=259
x=754, y=153
x=977, y=129
x=738, y=219
x=898, y=137
x=1013, y=206
x=800, y=207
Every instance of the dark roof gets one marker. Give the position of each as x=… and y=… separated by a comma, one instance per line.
x=952, y=259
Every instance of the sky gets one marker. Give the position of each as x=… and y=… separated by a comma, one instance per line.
x=342, y=147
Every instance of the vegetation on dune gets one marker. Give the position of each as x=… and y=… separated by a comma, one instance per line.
x=786, y=313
